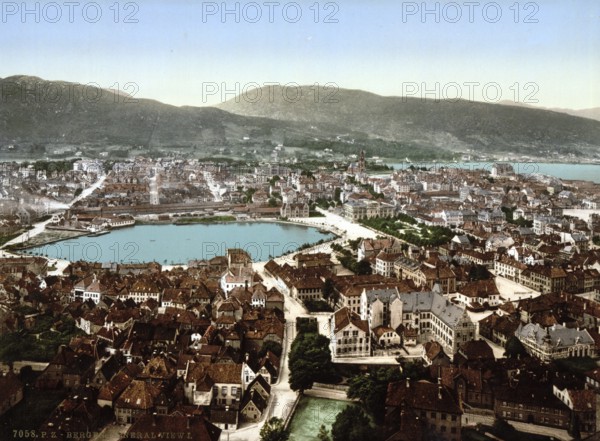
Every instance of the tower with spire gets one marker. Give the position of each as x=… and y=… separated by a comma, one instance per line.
x=361, y=163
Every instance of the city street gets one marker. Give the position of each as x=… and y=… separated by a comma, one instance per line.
x=338, y=224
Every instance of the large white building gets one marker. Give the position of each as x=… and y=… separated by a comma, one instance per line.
x=555, y=341
x=431, y=314
x=434, y=317
x=89, y=288
x=349, y=336
x=366, y=209
x=375, y=306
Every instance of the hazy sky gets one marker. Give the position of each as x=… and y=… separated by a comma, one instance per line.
x=188, y=53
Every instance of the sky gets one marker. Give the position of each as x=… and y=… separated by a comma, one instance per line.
x=544, y=53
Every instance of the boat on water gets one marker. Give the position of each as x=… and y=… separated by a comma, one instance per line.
x=98, y=233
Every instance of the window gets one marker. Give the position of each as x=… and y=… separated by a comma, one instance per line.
x=444, y=416
x=223, y=390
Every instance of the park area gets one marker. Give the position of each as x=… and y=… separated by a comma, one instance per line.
x=311, y=413
x=408, y=229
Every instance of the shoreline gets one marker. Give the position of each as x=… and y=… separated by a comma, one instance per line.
x=331, y=229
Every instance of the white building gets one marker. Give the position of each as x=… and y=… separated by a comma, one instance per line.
x=556, y=341
x=435, y=317
x=349, y=335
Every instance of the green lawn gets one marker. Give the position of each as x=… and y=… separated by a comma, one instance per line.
x=204, y=220
x=311, y=413
x=39, y=343
x=8, y=237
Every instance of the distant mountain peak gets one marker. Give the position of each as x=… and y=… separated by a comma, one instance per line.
x=317, y=114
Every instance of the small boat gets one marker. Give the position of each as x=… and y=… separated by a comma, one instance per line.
x=98, y=233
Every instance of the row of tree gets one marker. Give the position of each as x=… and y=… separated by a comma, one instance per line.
x=310, y=358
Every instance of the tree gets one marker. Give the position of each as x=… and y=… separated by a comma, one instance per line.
x=328, y=288
x=307, y=325
x=514, y=348
x=502, y=428
x=363, y=267
x=371, y=390
x=479, y=272
x=323, y=434
x=337, y=194
x=272, y=346
x=310, y=361
x=351, y=424
x=273, y=430
x=354, y=243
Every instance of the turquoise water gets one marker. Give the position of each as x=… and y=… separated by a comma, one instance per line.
x=311, y=413
x=586, y=172
x=169, y=244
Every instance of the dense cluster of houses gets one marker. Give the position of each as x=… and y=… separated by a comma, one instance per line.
x=28, y=192
x=194, y=350
x=476, y=385
x=428, y=299
x=170, y=347
x=489, y=208
x=196, y=187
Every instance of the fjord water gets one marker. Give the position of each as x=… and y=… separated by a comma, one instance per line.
x=171, y=244
x=584, y=172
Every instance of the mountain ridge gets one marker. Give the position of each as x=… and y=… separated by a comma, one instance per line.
x=444, y=124
x=69, y=113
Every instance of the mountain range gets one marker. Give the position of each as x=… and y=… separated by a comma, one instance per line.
x=33, y=110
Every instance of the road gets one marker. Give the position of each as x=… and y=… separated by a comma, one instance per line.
x=337, y=224
x=282, y=397
x=88, y=191
x=154, y=199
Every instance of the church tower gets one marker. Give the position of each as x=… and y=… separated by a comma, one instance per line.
x=361, y=162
